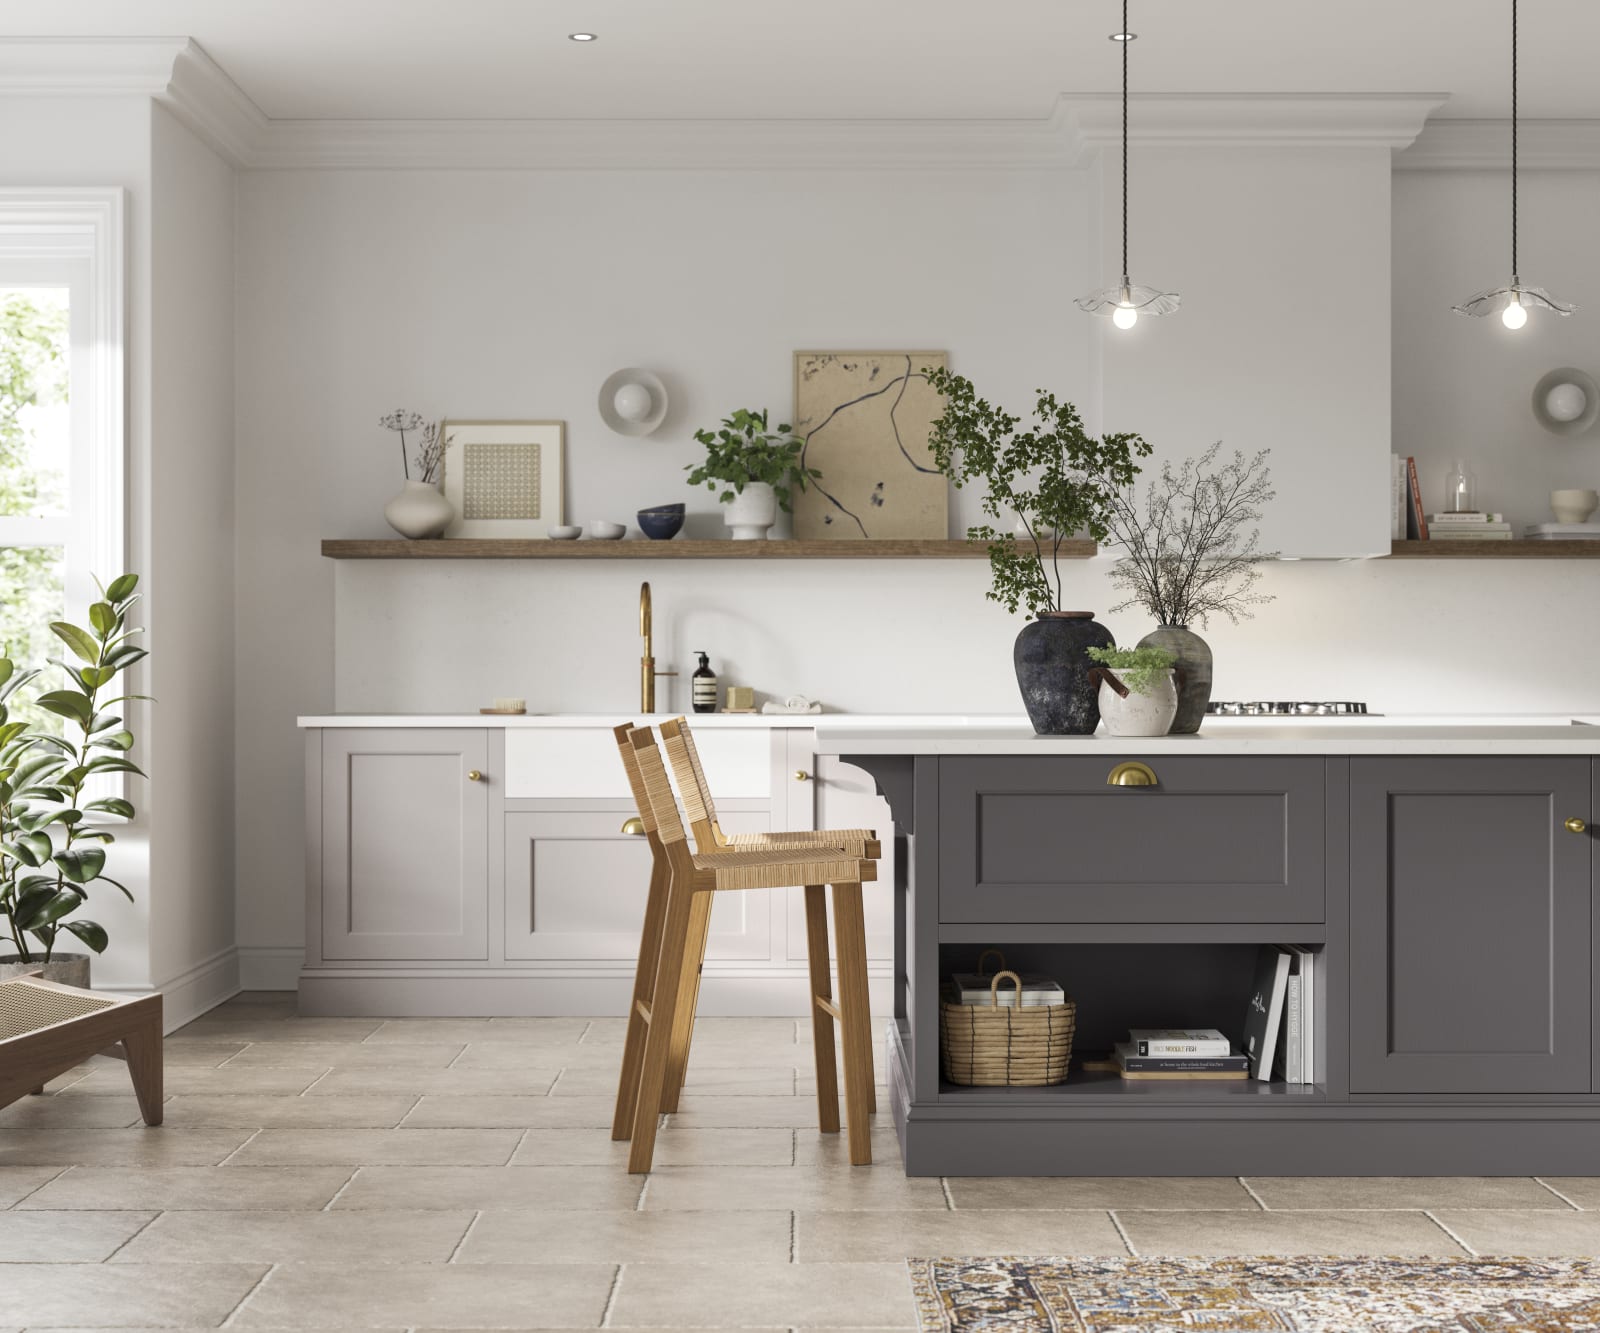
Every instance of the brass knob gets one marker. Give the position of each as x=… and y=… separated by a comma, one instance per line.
x=800, y=775
x=633, y=826
x=1576, y=825
x=1133, y=774
x=474, y=776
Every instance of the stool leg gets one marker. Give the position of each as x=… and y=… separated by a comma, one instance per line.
x=688, y=1001
x=658, y=1041
x=644, y=982
x=144, y=1067
x=821, y=1019
x=850, y=938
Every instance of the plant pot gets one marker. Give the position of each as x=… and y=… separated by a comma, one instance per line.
x=1129, y=713
x=419, y=511
x=1193, y=656
x=1051, y=657
x=752, y=511
x=66, y=969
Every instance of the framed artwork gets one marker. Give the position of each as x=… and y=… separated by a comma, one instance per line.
x=866, y=417
x=503, y=478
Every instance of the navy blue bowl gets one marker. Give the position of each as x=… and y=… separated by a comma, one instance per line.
x=661, y=523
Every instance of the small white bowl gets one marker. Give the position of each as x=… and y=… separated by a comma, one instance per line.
x=565, y=534
x=606, y=532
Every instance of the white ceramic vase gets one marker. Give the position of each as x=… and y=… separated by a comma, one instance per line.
x=752, y=511
x=1149, y=714
x=419, y=511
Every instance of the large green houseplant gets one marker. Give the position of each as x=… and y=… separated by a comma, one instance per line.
x=755, y=466
x=1053, y=481
x=52, y=836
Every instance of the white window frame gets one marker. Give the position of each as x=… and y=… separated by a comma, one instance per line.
x=74, y=237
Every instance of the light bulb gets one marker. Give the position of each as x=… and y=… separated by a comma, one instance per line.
x=1514, y=316
x=1125, y=316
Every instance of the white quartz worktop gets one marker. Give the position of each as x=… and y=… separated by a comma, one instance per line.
x=1335, y=736
x=517, y=721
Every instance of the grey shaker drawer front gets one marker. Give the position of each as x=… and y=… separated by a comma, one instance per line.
x=1237, y=838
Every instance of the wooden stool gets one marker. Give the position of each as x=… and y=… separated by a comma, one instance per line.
x=692, y=877
x=46, y=1029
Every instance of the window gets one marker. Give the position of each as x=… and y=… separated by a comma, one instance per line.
x=61, y=409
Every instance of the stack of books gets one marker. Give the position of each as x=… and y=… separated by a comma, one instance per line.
x=1280, y=1018
x=1179, y=1053
x=1476, y=527
x=1554, y=532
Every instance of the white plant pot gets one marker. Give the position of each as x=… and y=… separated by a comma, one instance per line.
x=419, y=511
x=66, y=969
x=1149, y=714
x=752, y=512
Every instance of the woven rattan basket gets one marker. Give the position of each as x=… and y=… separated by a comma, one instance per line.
x=1004, y=1046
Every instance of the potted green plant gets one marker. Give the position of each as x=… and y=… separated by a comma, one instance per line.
x=1056, y=480
x=52, y=836
x=756, y=467
x=1138, y=689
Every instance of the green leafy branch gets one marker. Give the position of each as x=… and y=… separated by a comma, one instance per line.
x=746, y=450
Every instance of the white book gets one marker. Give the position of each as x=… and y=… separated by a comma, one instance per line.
x=1397, y=497
x=1264, y=1012
x=1161, y=1042
x=1308, y=1014
x=1556, y=531
x=1291, y=1047
x=1470, y=534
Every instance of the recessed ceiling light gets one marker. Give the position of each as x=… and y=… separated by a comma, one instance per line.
x=582, y=37
x=1124, y=36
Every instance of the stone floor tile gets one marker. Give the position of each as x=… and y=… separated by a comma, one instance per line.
x=387, y=1237
x=66, y=1112
x=519, y=1296
x=380, y=1147
x=457, y=1082
x=200, y=1054
x=714, y=1030
x=674, y=1295
x=204, y=1080
x=628, y=1237
x=346, y=1055
x=715, y=1112
x=283, y=1112
x=813, y=1148
x=61, y=1082
x=1531, y=1232
x=1013, y=1192
x=483, y=1054
x=123, y=1295
x=119, y=1147
x=888, y=1237
x=1584, y=1191
x=1347, y=1232
x=1324, y=1192
x=62, y=1238
x=510, y=1111
x=601, y=1081
x=18, y=1182
x=549, y=1188
x=699, y=1188
x=192, y=1187
x=681, y=1147
x=527, y=1033
x=323, y=1030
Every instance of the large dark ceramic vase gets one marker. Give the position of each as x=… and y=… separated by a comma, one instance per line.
x=1053, y=668
x=1194, y=691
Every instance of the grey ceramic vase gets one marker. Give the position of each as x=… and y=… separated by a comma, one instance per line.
x=1194, y=656
x=419, y=511
x=66, y=969
x=1052, y=661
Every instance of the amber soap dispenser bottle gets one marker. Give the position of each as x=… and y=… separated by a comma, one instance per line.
x=704, y=685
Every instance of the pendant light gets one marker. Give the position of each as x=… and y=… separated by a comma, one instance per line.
x=1512, y=303
x=1126, y=301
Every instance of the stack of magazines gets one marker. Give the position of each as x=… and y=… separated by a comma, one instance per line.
x=974, y=988
x=1179, y=1053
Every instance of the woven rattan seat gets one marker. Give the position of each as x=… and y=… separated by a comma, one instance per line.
x=781, y=868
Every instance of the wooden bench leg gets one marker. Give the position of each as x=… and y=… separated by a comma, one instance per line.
x=821, y=991
x=658, y=1040
x=850, y=938
x=688, y=1001
x=143, y=1048
x=644, y=982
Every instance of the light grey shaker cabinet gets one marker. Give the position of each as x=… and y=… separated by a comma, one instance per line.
x=404, y=846
x=1470, y=925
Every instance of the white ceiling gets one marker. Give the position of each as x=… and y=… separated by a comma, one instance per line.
x=840, y=59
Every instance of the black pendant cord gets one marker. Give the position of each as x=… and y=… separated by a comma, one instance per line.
x=1127, y=41
x=1514, y=269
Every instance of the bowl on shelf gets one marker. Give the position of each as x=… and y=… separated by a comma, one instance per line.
x=568, y=532
x=603, y=531
x=661, y=522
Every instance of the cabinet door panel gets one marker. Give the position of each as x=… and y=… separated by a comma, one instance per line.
x=846, y=798
x=405, y=868
x=1470, y=922
x=562, y=762
x=576, y=888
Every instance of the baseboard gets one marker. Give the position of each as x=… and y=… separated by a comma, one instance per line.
x=270, y=967
x=190, y=993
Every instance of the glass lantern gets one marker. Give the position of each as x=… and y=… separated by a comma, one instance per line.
x=1460, y=490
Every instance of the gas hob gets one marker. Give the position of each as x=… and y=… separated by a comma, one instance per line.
x=1281, y=708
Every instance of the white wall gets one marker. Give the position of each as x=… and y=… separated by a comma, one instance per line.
x=191, y=572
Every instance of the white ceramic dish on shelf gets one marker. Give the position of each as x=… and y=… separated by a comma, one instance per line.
x=606, y=532
x=566, y=533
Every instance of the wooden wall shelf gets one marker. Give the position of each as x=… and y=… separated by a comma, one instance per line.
x=1456, y=548
x=679, y=549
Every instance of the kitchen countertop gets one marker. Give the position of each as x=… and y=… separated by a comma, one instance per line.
x=518, y=721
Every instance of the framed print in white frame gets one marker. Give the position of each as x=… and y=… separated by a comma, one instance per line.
x=503, y=478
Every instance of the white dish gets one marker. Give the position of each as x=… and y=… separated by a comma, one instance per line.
x=568, y=533
x=606, y=532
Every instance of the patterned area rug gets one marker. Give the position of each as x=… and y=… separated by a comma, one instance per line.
x=1224, y=1295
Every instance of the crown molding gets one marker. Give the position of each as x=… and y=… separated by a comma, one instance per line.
x=87, y=67
x=1251, y=120
x=202, y=95
x=1485, y=145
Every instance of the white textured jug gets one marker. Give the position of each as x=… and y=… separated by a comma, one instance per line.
x=1135, y=714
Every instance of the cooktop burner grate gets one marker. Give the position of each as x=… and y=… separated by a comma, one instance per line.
x=1281, y=708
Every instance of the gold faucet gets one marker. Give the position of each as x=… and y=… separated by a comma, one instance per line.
x=647, y=662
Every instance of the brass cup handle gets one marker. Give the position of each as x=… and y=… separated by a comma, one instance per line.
x=1132, y=774
x=1576, y=825
x=800, y=775
x=633, y=826
x=474, y=776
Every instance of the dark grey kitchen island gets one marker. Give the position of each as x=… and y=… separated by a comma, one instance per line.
x=1443, y=875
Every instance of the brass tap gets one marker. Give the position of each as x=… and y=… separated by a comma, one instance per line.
x=647, y=661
